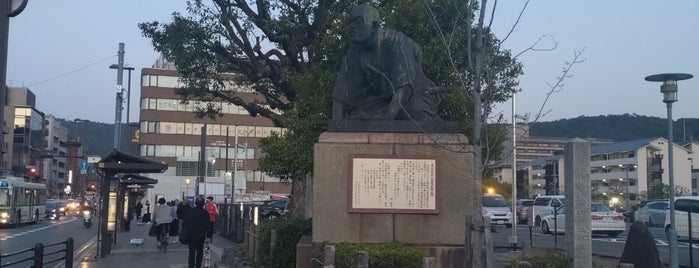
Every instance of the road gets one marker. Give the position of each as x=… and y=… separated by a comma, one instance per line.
x=602, y=245
x=45, y=232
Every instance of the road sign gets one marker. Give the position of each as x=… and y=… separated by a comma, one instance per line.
x=83, y=165
x=93, y=159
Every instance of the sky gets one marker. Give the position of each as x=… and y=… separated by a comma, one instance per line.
x=62, y=49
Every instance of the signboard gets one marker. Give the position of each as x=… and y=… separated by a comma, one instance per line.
x=392, y=185
x=93, y=159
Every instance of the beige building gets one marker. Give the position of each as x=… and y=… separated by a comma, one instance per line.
x=170, y=133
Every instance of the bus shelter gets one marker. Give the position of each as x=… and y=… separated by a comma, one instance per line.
x=119, y=170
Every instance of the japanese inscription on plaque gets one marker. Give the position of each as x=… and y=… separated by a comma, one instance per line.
x=391, y=185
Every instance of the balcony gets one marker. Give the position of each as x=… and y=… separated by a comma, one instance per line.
x=613, y=175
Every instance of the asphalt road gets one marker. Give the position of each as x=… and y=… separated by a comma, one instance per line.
x=15, y=239
x=602, y=245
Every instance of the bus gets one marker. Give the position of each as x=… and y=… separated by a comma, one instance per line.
x=20, y=201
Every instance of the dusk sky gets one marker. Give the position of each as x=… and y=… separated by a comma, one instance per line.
x=62, y=49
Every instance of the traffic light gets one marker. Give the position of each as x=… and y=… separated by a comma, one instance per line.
x=31, y=170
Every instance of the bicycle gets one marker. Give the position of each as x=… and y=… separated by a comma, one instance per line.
x=162, y=238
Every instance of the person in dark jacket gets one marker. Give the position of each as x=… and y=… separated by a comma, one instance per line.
x=196, y=222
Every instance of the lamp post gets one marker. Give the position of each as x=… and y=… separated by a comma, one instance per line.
x=187, y=181
x=669, y=90
x=515, y=116
x=128, y=88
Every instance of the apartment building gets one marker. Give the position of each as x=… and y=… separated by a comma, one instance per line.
x=622, y=173
x=170, y=133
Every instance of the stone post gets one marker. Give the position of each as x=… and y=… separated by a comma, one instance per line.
x=362, y=259
x=329, y=257
x=577, y=204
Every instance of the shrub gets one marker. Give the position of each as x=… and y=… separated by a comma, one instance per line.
x=550, y=259
x=390, y=255
x=289, y=232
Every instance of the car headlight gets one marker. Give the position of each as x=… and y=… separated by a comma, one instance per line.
x=4, y=215
x=86, y=212
x=62, y=209
x=53, y=211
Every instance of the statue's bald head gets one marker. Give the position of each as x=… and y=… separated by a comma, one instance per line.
x=369, y=13
x=363, y=23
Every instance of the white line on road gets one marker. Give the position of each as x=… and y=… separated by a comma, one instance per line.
x=35, y=230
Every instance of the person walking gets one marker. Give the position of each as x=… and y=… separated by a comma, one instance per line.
x=213, y=212
x=161, y=216
x=138, y=208
x=196, y=221
x=175, y=223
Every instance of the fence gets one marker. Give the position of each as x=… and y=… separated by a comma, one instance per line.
x=232, y=221
x=40, y=256
x=608, y=243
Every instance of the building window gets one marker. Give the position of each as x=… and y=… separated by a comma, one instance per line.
x=694, y=183
x=187, y=168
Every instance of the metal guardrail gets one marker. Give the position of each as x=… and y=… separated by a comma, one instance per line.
x=42, y=254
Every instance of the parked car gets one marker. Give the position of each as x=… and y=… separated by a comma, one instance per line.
x=274, y=208
x=653, y=213
x=684, y=205
x=524, y=209
x=603, y=221
x=495, y=206
x=544, y=205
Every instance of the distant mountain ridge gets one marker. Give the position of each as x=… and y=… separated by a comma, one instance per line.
x=617, y=128
x=98, y=137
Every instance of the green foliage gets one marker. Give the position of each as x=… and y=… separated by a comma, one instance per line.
x=663, y=192
x=289, y=232
x=380, y=255
x=550, y=259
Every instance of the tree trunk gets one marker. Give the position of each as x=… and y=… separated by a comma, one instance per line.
x=298, y=201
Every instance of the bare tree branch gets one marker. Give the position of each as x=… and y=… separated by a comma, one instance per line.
x=558, y=86
x=534, y=48
x=514, y=25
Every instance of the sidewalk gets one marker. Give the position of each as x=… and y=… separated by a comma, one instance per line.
x=125, y=255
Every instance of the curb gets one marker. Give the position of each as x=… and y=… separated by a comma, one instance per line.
x=81, y=254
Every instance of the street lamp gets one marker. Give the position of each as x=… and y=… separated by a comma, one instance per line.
x=515, y=116
x=128, y=88
x=669, y=90
x=187, y=181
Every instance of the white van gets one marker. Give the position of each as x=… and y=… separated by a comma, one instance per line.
x=545, y=205
x=683, y=206
x=496, y=207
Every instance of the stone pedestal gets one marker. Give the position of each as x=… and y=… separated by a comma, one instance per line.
x=334, y=224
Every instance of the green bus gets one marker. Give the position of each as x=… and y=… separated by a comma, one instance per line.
x=20, y=201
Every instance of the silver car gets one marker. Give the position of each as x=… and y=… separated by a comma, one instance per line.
x=653, y=213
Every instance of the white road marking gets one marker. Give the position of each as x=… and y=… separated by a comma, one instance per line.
x=35, y=230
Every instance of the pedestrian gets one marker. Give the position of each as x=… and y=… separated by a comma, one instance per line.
x=138, y=208
x=161, y=216
x=183, y=209
x=213, y=212
x=175, y=224
x=196, y=222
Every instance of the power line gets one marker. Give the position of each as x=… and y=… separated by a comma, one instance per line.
x=74, y=71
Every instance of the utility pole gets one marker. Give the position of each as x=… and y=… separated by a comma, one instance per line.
x=202, y=162
x=119, y=97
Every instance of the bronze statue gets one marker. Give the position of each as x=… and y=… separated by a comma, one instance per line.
x=380, y=77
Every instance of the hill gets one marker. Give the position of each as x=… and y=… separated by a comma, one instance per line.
x=98, y=137
x=617, y=127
